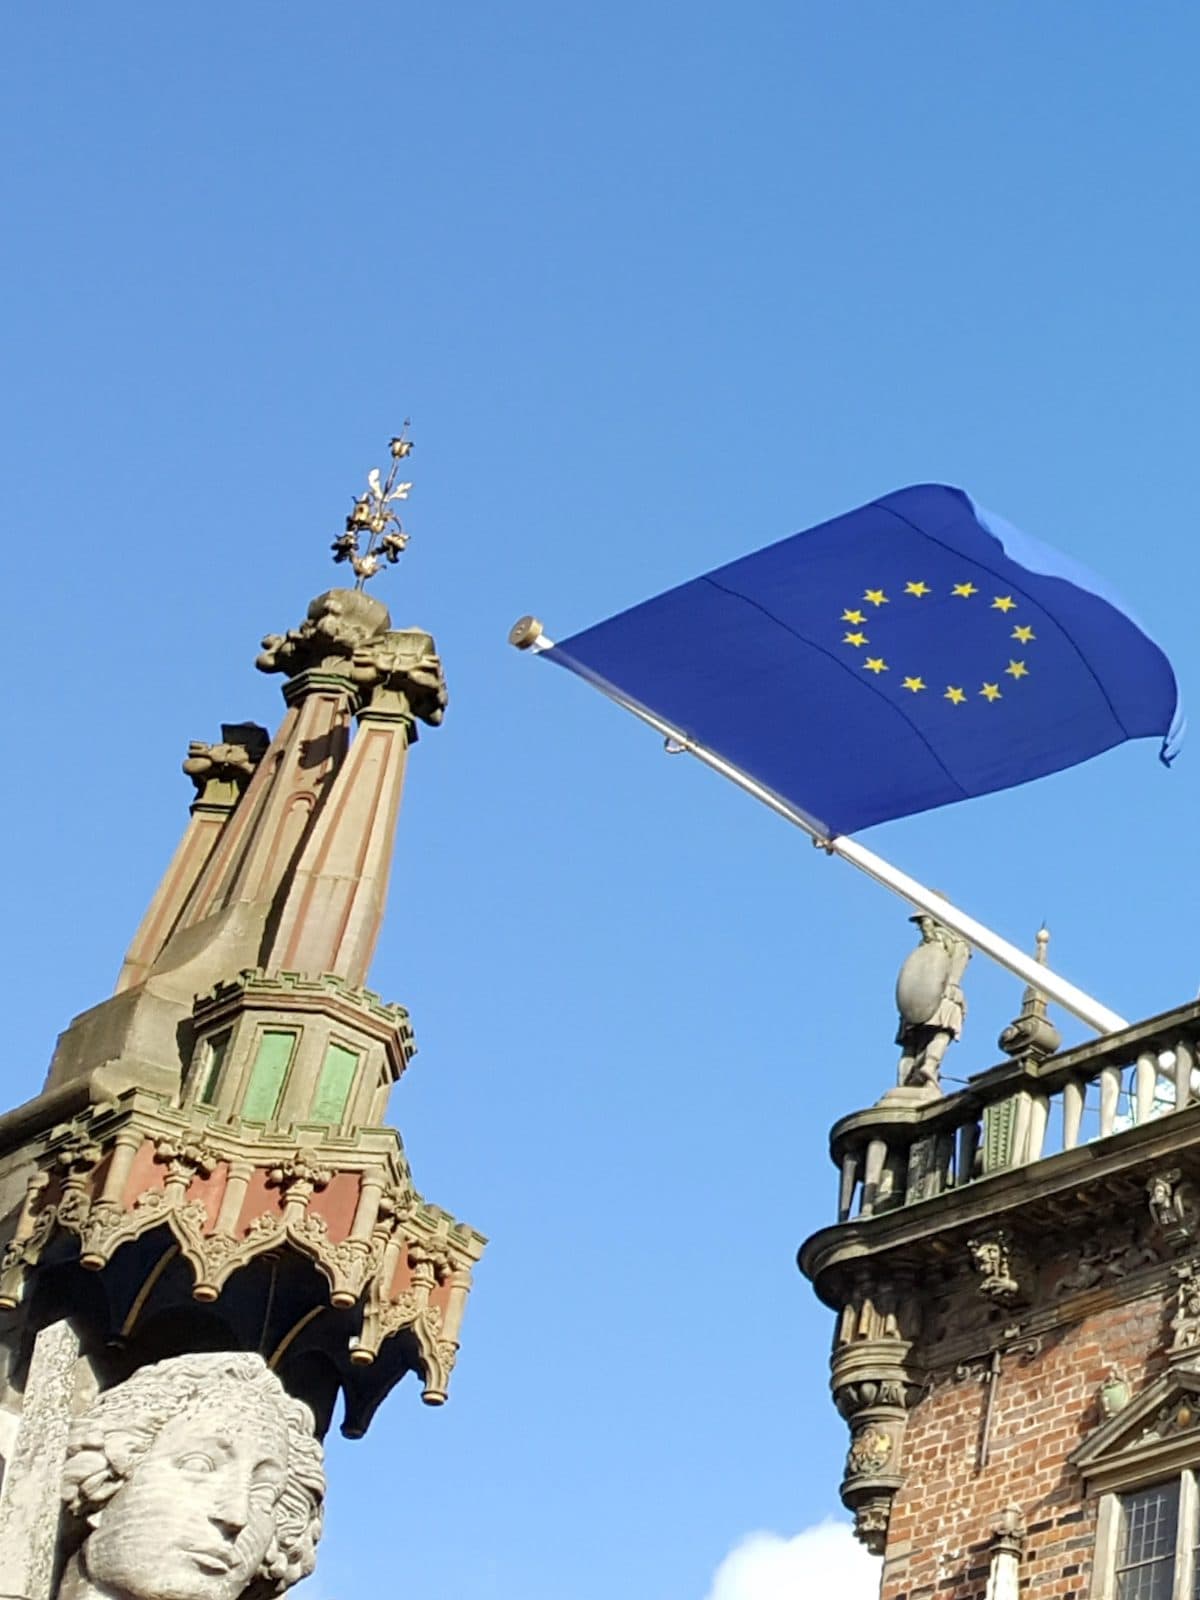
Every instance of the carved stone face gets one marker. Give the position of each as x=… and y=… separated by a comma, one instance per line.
x=196, y=1516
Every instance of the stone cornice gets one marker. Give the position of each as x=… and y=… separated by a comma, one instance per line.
x=1052, y=1191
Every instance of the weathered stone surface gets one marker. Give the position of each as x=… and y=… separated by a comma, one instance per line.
x=198, y=1478
x=29, y=1502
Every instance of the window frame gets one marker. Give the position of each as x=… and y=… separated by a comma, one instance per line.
x=1110, y=1527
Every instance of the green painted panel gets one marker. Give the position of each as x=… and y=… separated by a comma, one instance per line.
x=266, y=1078
x=218, y=1048
x=337, y=1074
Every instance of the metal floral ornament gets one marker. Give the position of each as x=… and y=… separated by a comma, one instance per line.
x=373, y=519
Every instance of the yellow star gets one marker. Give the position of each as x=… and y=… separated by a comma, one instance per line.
x=915, y=684
x=1023, y=633
x=917, y=588
x=853, y=616
x=966, y=590
x=955, y=696
x=875, y=664
x=876, y=597
x=991, y=691
x=855, y=638
x=1017, y=669
x=1004, y=602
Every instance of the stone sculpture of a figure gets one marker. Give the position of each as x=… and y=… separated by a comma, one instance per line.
x=930, y=1001
x=198, y=1478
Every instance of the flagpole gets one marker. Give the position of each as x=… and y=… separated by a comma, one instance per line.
x=528, y=634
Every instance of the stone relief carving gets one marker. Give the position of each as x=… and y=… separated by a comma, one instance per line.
x=404, y=665
x=1185, y=1324
x=1100, y=1260
x=229, y=764
x=1174, y=1206
x=873, y=1388
x=198, y=1478
x=338, y=623
x=870, y=1451
x=992, y=1256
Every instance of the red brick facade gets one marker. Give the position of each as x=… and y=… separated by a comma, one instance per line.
x=1046, y=1404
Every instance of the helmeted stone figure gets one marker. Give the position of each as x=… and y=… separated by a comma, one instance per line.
x=930, y=1000
x=198, y=1478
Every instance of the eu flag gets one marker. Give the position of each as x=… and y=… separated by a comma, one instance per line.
x=913, y=652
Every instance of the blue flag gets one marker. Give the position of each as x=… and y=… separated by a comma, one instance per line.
x=911, y=653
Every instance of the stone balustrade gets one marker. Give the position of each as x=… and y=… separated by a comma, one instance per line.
x=897, y=1153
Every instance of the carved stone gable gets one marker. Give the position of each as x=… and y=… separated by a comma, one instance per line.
x=1154, y=1436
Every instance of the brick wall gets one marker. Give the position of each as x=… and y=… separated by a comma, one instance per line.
x=942, y=1518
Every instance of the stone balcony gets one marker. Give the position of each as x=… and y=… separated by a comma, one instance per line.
x=1040, y=1142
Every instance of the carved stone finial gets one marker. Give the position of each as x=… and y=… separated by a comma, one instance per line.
x=1031, y=1035
x=1008, y=1542
x=403, y=668
x=337, y=624
x=222, y=771
x=930, y=1000
x=373, y=516
x=149, y=1471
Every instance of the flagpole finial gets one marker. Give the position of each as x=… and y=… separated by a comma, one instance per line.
x=525, y=633
x=373, y=518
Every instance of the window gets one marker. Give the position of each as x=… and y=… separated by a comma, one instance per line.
x=211, y=1062
x=333, y=1088
x=1143, y=1462
x=1147, y=1542
x=265, y=1089
x=1145, y=1567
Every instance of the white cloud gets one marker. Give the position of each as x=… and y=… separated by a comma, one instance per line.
x=824, y=1559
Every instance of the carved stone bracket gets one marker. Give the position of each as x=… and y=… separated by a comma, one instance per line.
x=873, y=1388
x=1185, y=1323
x=222, y=771
x=404, y=674
x=338, y=623
x=995, y=1259
x=1174, y=1206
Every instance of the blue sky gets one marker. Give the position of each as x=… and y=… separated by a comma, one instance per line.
x=656, y=285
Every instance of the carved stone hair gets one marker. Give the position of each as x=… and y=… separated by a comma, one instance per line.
x=140, y=1408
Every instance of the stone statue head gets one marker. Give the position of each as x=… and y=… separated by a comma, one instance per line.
x=198, y=1478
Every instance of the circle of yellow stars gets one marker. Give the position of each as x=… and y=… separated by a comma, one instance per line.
x=956, y=693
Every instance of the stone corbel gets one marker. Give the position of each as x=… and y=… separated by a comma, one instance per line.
x=402, y=673
x=999, y=1268
x=873, y=1388
x=1174, y=1207
x=34, y=1226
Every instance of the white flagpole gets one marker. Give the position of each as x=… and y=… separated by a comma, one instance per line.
x=527, y=634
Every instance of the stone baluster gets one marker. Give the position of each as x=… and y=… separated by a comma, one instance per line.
x=1145, y=1081
x=1110, y=1091
x=1074, y=1093
x=1185, y=1063
x=877, y=1152
x=849, y=1180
